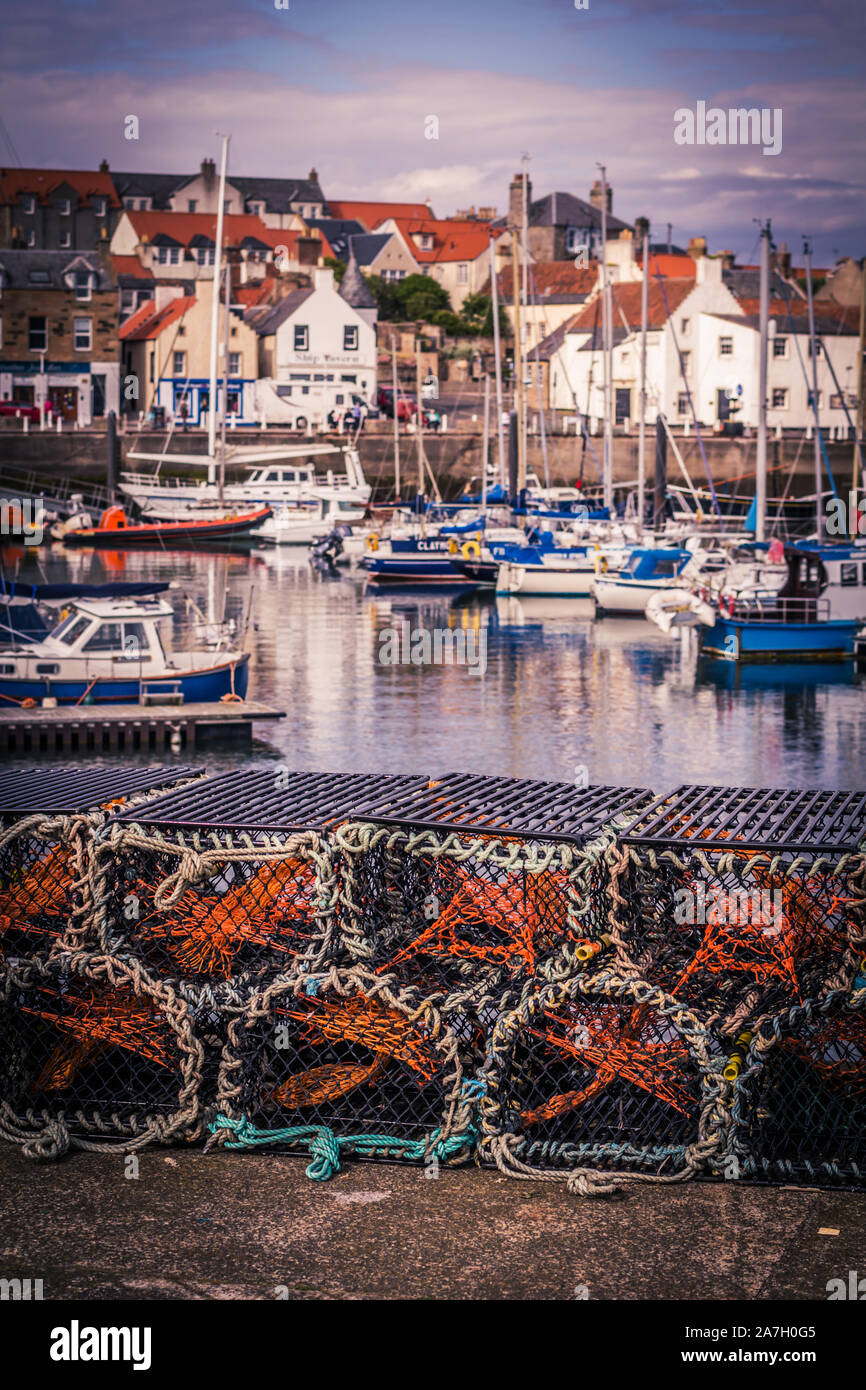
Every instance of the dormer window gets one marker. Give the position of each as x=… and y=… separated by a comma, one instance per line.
x=64, y=207
x=192, y=204
x=100, y=207
x=29, y=204
x=82, y=284
x=205, y=255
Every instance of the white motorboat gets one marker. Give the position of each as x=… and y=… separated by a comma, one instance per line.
x=647, y=572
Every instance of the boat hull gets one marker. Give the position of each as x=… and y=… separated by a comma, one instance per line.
x=734, y=640
x=623, y=596
x=544, y=579
x=198, y=687
x=236, y=528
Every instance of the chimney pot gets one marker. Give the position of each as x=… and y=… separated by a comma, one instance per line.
x=595, y=195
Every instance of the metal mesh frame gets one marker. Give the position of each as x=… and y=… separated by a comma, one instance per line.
x=738, y=934
x=344, y=1063
x=799, y=1104
x=98, y=1055
x=597, y=1077
x=467, y=919
x=218, y=908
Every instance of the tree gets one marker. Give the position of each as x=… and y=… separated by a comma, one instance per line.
x=421, y=297
x=387, y=299
x=338, y=267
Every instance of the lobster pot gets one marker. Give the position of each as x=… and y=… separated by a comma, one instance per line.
x=467, y=904
x=342, y=1064
x=229, y=881
x=47, y=823
x=799, y=1112
x=743, y=903
x=97, y=1052
x=603, y=1074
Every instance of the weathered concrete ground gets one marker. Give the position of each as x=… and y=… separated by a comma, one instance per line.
x=241, y=1225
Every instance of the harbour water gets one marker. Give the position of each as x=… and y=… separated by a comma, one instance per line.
x=563, y=697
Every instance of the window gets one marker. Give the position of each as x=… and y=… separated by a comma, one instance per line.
x=71, y=634
x=288, y=475
x=47, y=668
x=780, y=347
x=818, y=349
x=150, y=373
x=65, y=240
x=683, y=403
x=179, y=364
x=37, y=334
x=82, y=284
x=234, y=364
x=29, y=204
x=64, y=207
x=257, y=209
x=39, y=277
x=82, y=335
x=350, y=338
x=685, y=325
x=726, y=347
x=463, y=273
x=687, y=363
x=167, y=255
x=205, y=255
x=780, y=398
x=847, y=575
x=129, y=203
x=302, y=337
x=135, y=643
x=100, y=207
x=192, y=204
x=31, y=238
x=108, y=637
x=227, y=206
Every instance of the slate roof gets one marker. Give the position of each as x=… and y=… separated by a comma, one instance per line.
x=337, y=231
x=366, y=247
x=41, y=183
x=565, y=210
x=278, y=194
x=354, y=288
x=20, y=266
x=266, y=318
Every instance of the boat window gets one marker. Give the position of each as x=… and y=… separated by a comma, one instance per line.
x=69, y=634
x=135, y=642
x=665, y=567
x=7, y=669
x=272, y=477
x=848, y=574
x=108, y=637
x=47, y=668
x=288, y=476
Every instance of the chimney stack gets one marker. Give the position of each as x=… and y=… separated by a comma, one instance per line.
x=208, y=171
x=515, y=199
x=784, y=260
x=103, y=168
x=641, y=229
x=595, y=196
x=697, y=247
x=313, y=175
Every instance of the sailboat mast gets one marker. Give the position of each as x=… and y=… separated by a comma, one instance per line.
x=485, y=446
x=641, y=438
x=497, y=352
x=419, y=426
x=215, y=310
x=222, y=472
x=518, y=366
x=608, y=350
x=764, y=325
x=396, y=417
x=819, y=518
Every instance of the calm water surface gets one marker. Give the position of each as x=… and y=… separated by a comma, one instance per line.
x=561, y=691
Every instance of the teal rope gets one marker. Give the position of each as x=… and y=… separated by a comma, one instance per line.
x=325, y=1146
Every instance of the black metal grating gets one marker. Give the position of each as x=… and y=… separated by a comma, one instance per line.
x=270, y=799
x=514, y=806
x=68, y=790
x=754, y=818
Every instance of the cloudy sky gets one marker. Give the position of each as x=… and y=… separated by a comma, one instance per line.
x=347, y=86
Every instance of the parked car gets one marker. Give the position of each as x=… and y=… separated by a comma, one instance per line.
x=407, y=406
x=25, y=409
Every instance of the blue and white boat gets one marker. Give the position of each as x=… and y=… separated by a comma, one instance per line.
x=815, y=615
x=414, y=560
x=646, y=572
x=109, y=651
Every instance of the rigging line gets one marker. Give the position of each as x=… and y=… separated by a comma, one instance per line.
x=688, y=391
x=793, y=329
x=534, y=297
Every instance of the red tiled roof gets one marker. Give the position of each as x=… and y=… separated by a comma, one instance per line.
x=371, y=214
x=42, y=182
x=671, y=267
x=627, y=298
x=130, y=265
x=454, y=239
x=149, y=322
x=182, y=227
x=553, y=278
x=253, y=293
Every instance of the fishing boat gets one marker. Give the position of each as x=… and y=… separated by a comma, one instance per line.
x=109, y=650
x=815, y=615
x=413, y=560
x=276, y=477
x=118, y=533
x=646, y=572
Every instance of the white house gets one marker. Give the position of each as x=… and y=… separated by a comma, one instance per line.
x=317, y=349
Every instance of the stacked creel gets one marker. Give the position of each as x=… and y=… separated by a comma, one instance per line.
x=94, y=1051
x=747, y=908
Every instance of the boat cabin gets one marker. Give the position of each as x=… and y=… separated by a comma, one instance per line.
x=645, y=566
x=116, y=629
x=835, y=573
